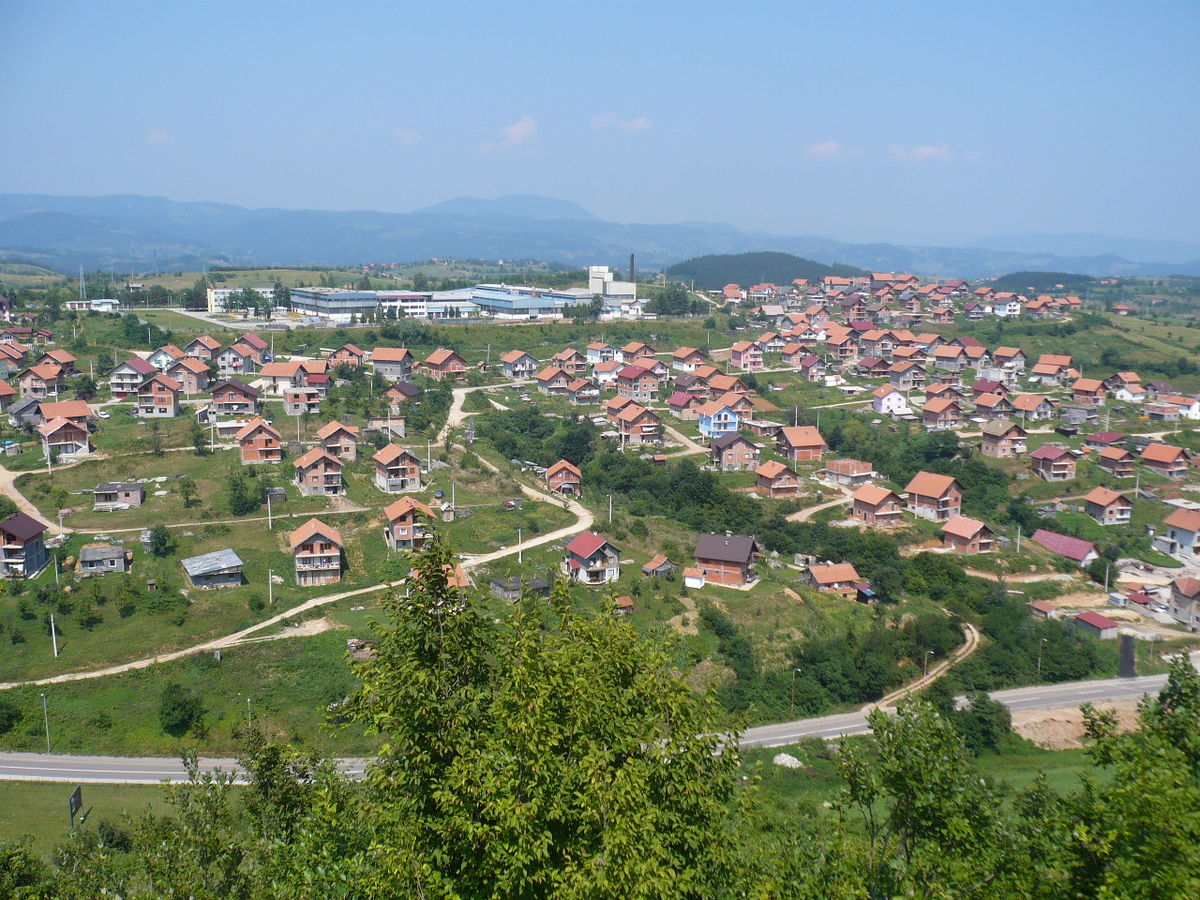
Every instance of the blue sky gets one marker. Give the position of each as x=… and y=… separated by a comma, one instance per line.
x=918, y=122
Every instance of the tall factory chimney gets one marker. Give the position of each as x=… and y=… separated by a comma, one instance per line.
x=631, y=278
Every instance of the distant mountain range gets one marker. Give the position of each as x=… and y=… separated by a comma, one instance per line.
x=134, y=234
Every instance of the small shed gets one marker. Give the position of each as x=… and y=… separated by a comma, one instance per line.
x=219, y=569
x=1098, y=625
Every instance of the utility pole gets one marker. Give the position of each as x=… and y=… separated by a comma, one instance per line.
x=1018, y=538
x=610, y=509
x=45, y=706
x=270, y=524
x=520, y=552
x=925, y=674
x=270, y=587
x=1041, y=647
x=53, y=636
x=792, y=701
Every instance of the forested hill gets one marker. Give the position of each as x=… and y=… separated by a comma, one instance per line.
x=1042, y=282
x=716, y=271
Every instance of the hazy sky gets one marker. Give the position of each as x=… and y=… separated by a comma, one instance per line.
x=899, y=121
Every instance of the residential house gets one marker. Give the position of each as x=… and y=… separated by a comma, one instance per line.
x=600, y=352
x=949, y=358
x=747, y=356
x=876, y=506
x=638, y=425
x=1003, y=439
x=301, y=401
x=1108, y=507
x=191, y=373
x=1052, y=369
x=717, y=418
x=581, y=392
x=1116, y=461
x=889, y=401
x=259, y=442
x=813, y=368
x=1089, y=391
x=1033, y=407
x=934, y=497
x=637, y=383
x=392, y=363
x=158, y=398
x=685, y=405
x=165, y=357
x=1052, y=463
x=518, y=364
x=605, y=373
x=686, y=359
x=61, y=358
x=635, y=350
x=317, y=551
x=443, y=363
x=64, y=439
x=319, y=473
x=941, y=414
x=235, y=397
x=110, y=495
x=1185, y=602
x=209, y=571
x=966, y=535
x=103, y=559
x=906, y=376
x=1081, y=552
x=552, y=380
x=848, y=472
x=125, y=379
x=727, y=559
x=993, y=406
x=565, y=478
x=23, y=546
x=347, y=355
x=75, y=410
x=407, y=524
x=570, y=361
x=514, y=588
x=777, y=479
x=396, y=470
x=238, y=360
x=1012, y=359
x=733, y=453
x=800, y=443
x=339, y=440
x=45, y=380
x=839, y=578
x=657, y=566
x=8, y=394
x=1130, y=393
x=203, y=348
x=398, y=395
x=720, y=383
x=591, y=559
x=1166, y=460
x=1182, y=535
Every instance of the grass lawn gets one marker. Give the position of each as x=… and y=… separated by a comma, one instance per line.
x=39, y=809
x=289, y=683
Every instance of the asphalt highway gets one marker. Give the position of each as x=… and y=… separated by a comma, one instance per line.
x=154, y=769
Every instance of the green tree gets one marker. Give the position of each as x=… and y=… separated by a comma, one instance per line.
x=161, y=542
x=187, y=490
x=85, y=387
x=179, y=709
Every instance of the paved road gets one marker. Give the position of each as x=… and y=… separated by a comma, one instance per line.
x=152, y=770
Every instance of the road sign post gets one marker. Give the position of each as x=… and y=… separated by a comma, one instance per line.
x=75, y=803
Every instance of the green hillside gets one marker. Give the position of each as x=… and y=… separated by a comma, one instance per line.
x=1042, y=282
x=718, y=270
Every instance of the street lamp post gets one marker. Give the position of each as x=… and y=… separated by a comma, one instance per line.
x=46, y=716
x=1041, y=647
x=792, y=704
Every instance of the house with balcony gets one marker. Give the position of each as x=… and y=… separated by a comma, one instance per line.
x=638, y=426
x=565, y=478
x=64, y=439
x=348, y=355
x=1117, y=461
x=686, y=359
x=637, y=383
x=634, y=351
x=582, y=392
x=392, y=363
x=191, y=373
x=125, y=379
x=237, y=361
x=1011, y=359
x=317, y=550
x=319, y=474
x=1185, y=602
x=158, y=398
x=963, y=534
x=800, y=443
x=233, y=397
x=203, y=348
x=1089, y=391
x=571, y=361
x=61, y=358
x=600, y=352
x=518, y=364
x=1181, y=535
x=777, y=480
x=747, y=356
x=877, y=506
x=23, y=546
x=941, y=414
x=717, y=418
x=1166, y=460
x=726, y=559
x=935, y=497
x=443, y=363
x=40, y=381
x=1003, y=439
x=259, y=442
x=301, y=401
x=552, y=381
x=1033, y=407
x=1108, y=507
x=1051, y=463
x=889, y=401
x=340, y=440
x=591, y=559
x=165, y=357
x=407, y=524
x=733, y=453
x=397, y=470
